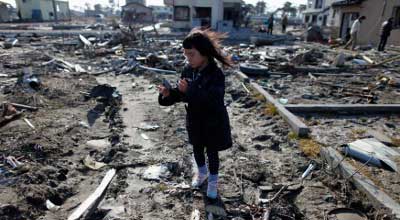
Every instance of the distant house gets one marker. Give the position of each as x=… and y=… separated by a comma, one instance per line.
x=217, y=14
x=43, y=10
x=98, y=10
x=142, y=2
x=319, y=12
x=136, y=13
x=162, y=12
x=5, y=12
x=376, y=11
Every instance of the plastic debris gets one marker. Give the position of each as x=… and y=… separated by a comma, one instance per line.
x=92, y=164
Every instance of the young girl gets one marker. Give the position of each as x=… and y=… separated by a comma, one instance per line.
x=202, y=87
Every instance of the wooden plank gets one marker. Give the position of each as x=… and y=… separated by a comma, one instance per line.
x=395, y=58
x=345, y=108
x=94, y=199
x=344, y=74
x=295, y=123
x=367, y=59
x=378, y=198
x=23, y=106
x=157, y=70
x=303, y=69
x=243, y=77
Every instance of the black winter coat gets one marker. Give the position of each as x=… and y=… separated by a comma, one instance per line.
x=386, y=29
x=207, y=120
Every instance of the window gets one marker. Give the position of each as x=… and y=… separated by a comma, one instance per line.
x=325, y=20
x=396, y=16
x=318, y=3
x=310, y=3
x=314, y=19
x=182, y=13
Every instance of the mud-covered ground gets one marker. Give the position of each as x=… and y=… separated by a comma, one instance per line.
x=135, y=133
x=310, y=89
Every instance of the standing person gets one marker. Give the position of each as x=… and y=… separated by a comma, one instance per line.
x=284, y=23
x=202, y=87
x=387, y=27
x=270, y=24
x=354, y=32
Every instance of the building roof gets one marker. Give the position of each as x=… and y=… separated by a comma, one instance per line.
x=136, y=4
x=345, y=3
x=313, y=11
x=4, y=3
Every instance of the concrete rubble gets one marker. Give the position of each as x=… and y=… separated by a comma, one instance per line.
x=82, y=133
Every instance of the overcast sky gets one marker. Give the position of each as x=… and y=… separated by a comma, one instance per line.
x=271, y=4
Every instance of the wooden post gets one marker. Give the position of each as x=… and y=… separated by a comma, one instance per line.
x=378, y=198
x=297, y=126
x=55, y=11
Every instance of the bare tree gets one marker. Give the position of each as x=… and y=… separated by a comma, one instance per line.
x=288, y=8
x=261, y=6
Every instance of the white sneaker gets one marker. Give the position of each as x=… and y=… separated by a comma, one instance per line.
x=198, y=180
x=212, y=187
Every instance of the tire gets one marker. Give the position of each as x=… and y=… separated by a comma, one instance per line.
x=254, y=69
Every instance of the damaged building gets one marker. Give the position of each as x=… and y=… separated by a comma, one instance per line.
x=5, y=14
x=376, y=11
x=339, y=15
x=319, y=12
x=43, y=10
x=136, y=11
x=162, y=12
x=221, y=15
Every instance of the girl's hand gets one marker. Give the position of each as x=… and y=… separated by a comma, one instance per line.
x=163, y=91
x=183, y=85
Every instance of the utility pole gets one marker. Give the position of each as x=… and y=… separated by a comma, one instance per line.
x=55, y=11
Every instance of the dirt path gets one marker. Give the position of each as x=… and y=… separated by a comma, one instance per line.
x=264, y=154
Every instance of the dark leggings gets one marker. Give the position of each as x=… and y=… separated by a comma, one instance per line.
x=213, y=159
x=382, y=43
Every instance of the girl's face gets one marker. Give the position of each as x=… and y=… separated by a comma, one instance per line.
x=194, y=57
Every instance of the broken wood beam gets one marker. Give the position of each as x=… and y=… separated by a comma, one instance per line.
x=23, y=106
x=367, y=59
x=302, y=69
x=343, y=74
x=355, y=109
x=9, y=119
x=298, y=127
x=378, y=198
x=157, y=70
x=387, y=61
x=94, y=199
x=243, y=77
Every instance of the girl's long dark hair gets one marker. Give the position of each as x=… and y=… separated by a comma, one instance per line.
x=208, y=43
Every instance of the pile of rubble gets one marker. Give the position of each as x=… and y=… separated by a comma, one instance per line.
x=80, y=115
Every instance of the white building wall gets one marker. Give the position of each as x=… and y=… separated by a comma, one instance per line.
x=217, y=11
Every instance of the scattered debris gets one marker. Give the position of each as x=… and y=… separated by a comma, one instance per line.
x=92, y=164
x=371, y=151
x=9, y=43
x=346, y=214
x=75, y=82
x=195, y=215
x=29, y=123
x=156, y=172
x=148, y=127
x=144, y=136
x=91, y=203
x=309, y=169
x=51, y=206
x=13, y=162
